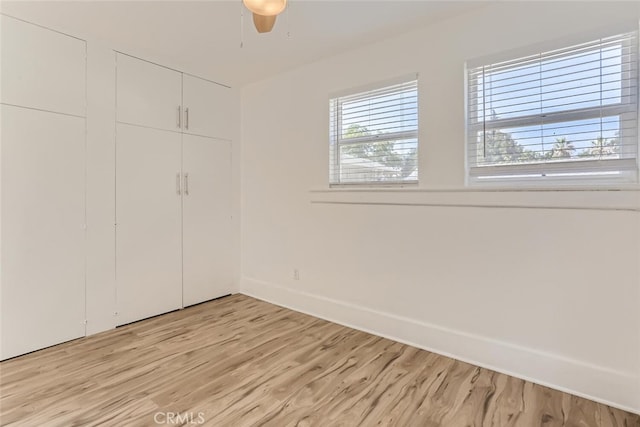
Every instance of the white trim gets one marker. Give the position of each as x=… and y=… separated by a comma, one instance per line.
x=493, y=171
x=42, y=26
x=375, y=85
x=381, y=185
x=558, y=198
x=555, y=117
x=556, y=166
x=554, y=44
x=367, y=171
x=169, y=68
x=372, y=139
x=624, y=187
x=611, y=387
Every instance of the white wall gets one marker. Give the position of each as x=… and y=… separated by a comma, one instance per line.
x=548, y=292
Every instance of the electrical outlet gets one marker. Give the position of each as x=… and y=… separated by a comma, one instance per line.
x=296, y=274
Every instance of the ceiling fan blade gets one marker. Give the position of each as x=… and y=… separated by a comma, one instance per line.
x=264, y=24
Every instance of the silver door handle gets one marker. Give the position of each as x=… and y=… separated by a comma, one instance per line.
x=186, y=118
x=179, y=121
x=186, y=184
x=178, y=183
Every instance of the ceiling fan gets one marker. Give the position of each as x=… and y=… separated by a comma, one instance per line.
x=265, y=12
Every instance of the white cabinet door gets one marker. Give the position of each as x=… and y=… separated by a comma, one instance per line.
x=208, y=108
x=43, y=247
x=206, y=226
x=42, y=68
x=148, y=216
x=148, y=94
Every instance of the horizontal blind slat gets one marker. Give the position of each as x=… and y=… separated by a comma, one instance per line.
x=628, y=39
x=611, y=54
x=632, y=66
x=606, y=76
x=606, y=165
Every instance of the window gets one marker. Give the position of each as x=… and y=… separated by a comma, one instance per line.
x=374, y=135
x=566, y=114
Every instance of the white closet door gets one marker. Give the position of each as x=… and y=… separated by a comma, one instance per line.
x=43, y=237
x=42, y=68
x=148, y=216
x=206, y=219
x=209, y=108
x=148, y=94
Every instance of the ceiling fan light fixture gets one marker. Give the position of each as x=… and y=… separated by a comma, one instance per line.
x=265, y=7
x=264, y=24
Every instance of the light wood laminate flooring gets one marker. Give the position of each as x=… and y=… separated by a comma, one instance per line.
x=241, y=362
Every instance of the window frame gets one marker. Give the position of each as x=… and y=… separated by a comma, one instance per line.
x=336, y=141
x=553, y=173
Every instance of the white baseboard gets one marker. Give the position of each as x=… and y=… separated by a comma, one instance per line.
x=601, y=384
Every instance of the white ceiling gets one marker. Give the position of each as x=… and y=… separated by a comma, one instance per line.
x=204, y=37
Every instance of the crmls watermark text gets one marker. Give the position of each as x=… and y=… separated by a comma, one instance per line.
x=178, y=418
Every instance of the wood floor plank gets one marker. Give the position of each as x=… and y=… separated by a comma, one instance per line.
x=238, y=361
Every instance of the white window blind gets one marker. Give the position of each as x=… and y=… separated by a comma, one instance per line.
x=374, y=135
x=571, y=112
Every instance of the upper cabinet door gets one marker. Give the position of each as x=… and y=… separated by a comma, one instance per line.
x=42, y=69
x=148, y=94
x=208, y=108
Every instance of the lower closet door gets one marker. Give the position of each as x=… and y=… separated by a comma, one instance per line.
x=206, y=226
x=43, y=236
x=148, y=217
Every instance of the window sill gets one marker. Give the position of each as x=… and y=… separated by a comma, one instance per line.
x=614, y=198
